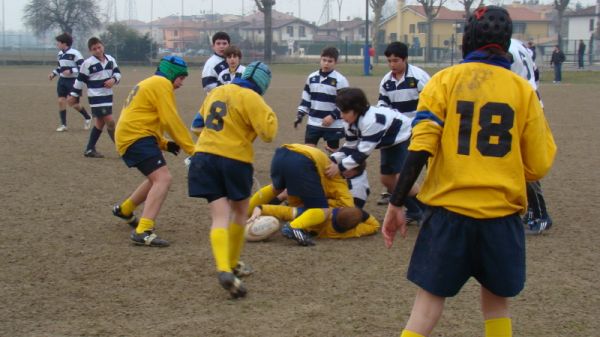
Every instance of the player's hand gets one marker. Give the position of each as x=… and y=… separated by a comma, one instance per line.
x=173, y=147
x=109, y=83
x=298, y=120
x=394, y=221
x=256, y=212
x=327, y=121
x=332, y=170
x=51, y=76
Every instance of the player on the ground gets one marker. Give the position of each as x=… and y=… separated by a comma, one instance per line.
x=399, y=89
x=300, y=169
x=480, y=144
x=318, y=102
x=215, y=64
x=149, y=111
x=99, y=73
x=69, y=61
x=221, y=169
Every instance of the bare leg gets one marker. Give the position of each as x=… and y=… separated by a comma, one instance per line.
x=219, y=212
x=160, y=181
x=141, y=192
x=426, y=312
x=493, y=306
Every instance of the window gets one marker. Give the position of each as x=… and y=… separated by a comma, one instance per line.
x=302, y=31
x=361, y=31
x=175, y=33
x=290, y=30
x=393, y=37
x=422, y=27
x=458, y=27
x=519, y=27
x=592, y=25
x=411, y=28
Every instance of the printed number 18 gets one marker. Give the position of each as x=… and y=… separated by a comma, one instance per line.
x=494, y=139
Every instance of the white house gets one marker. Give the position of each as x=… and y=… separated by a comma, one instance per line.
x=582, y=23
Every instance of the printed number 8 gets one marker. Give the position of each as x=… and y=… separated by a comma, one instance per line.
x=494, y=139
x=215, y=121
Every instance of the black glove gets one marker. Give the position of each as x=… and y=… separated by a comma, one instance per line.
x=298, y=120
x=173, y=147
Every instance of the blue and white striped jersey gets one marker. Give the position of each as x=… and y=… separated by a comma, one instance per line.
x=226, y=77
x=93, y=74
x=318, y=98
x=403, y=94
x=379, y=127
x=210, y=73
x=70, y=59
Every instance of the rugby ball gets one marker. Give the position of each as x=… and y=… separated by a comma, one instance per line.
x=262, y=228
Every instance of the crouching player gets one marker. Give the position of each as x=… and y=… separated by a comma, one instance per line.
x=481, y=144
x=221, y=169
x=150, y=109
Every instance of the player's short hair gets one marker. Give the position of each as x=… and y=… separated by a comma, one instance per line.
x=65, y=38
x=347, y=218
x=330, y=52
x=352, y=99
x=232, y=51
x=487, y=27
x=93, y=41
x=397, y=49
x=221, y=36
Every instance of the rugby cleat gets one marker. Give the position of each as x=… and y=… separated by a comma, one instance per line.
x=148, y=238
x=537, y=226
x=91, y=153
x=286, y=230
x=131, y=220
x=61, y=128
x=302, y=237
x=242, y=270
x=232, y=284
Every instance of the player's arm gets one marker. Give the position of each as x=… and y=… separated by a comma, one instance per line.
x=263, y=119
x=82, y=78
x=169, y=118
x=78, y=61
x=384, y=99
x=116, y=73
x=209, y=78
x=537, y=144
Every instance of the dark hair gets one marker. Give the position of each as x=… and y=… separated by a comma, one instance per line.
x=92, y=41
x=65, y=38
x=398, y=49
x=352, y=99
x=349, y=217
x=330, y=52
x=220, y=36
x=232, y=50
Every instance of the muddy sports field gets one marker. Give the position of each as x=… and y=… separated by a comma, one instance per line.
x=67, y=267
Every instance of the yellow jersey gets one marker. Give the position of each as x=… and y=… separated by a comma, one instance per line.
x=150, y=110
x=336, y=189
x=487, y=135
x=233, y=117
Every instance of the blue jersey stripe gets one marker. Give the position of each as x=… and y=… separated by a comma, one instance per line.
x=100, y=99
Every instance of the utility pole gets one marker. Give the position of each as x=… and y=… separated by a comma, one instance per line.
x=366, y=63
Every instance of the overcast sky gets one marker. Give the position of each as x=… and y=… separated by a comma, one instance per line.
x=311, y=10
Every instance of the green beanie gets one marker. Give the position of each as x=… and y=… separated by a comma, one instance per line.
x=172, y=67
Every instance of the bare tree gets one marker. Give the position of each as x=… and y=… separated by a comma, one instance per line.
x=377, y=6
x=560, y=6
x=467, y=4
x=266, y=7
x=66, y=15
x=431, y=9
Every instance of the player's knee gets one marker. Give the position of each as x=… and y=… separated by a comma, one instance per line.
x=110, y=125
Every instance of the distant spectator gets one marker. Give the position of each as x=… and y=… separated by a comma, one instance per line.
x=558, y=57
x=581, y=53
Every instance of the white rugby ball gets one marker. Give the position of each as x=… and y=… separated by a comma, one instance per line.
x=262, y=228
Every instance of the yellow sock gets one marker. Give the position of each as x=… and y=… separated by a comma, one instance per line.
x=145, y=225
x=283, y=213
x=407, y=333
x=263, y=196
x=498, y=327
x=236, y=243
x=219, y=241
x=310, y=217
x=127, y=207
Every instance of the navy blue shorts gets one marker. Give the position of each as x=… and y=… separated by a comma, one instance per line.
x=331, y=136
x=299, y=175
x=64, y=87
x=213, y=177
x=450, y=248
x=393, y=158
x=101, y=111
x=145, y=155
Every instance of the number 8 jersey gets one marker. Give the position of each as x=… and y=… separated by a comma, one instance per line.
x=233, y=117
x=487, y=134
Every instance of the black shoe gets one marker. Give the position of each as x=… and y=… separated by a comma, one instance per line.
x=148, y=238
x=91, y=153
x=131, y=220
x=302, y=237
x=232, y=284
x=242, y=270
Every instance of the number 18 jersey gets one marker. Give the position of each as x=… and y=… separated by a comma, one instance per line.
x=487, y=134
